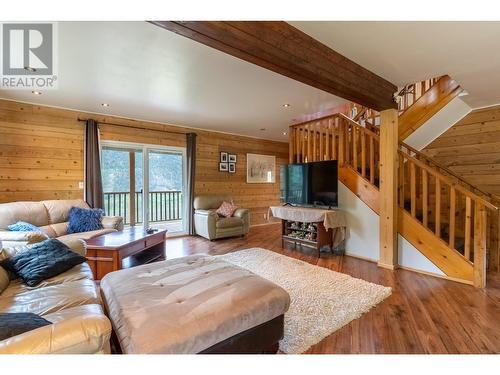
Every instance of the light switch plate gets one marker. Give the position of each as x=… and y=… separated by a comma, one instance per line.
x=80, y=185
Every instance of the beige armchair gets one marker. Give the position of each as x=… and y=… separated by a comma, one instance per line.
x=209, y=224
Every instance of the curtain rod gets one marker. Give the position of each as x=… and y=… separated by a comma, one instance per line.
x=135, y=127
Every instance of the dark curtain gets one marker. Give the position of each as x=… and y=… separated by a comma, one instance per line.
x=191, y=166
x=93, y=182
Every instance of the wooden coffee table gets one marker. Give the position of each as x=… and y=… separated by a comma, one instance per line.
x=127, y=248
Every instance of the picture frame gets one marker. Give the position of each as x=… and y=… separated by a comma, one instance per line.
x=223, y=167
x=261, y=169
x=232, y=168
x=232, y=158
x=223, y=157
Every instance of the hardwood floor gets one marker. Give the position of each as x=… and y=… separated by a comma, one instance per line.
x=424, y=314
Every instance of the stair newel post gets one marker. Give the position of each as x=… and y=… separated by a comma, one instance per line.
x=389, y=189
x=479, y=245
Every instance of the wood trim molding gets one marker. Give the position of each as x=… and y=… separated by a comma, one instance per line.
x=280, y=47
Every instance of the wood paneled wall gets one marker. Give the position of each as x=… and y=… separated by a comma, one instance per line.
x=471, y=148
x=41, y=155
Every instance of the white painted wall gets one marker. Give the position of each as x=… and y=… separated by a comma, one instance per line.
x=410, y=257
x=448, y=116
x=363, y=234
x=362, y=225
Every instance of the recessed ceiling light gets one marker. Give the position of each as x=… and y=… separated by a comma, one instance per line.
x=286, y=105
x=36, y=93
x=29, y=69
x=285, y=133
x=105, y=104
x=262, y=129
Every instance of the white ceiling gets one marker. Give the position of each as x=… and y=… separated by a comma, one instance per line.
x=406, y=52
x=149, y=73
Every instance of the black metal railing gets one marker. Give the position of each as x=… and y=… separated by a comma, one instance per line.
x=163, y=205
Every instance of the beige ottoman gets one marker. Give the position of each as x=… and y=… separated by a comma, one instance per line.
x=194, y=304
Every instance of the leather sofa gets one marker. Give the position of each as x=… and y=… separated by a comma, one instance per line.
x=209, y=224
x=52, y=217
x=70, y=301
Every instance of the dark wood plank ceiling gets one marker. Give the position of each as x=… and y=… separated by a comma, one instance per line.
x=282, y=48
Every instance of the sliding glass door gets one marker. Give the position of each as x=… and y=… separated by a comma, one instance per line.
x=144, y=184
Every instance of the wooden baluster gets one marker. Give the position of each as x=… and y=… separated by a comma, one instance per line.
x=363, y=154
x=468, y=212
x=413, y=190
x=437, y=228
x=314, y=147
x=327, y=140
x=335, y=132
x=321, y=150
x=425, y=198
x=372, y=162
x=401, y=181
x=309, y=142
x=342, y=147
x=453, y=202
x=355, y=147
x=304, y=144
x=291, y=140
x=298, y=145
x=480, y=225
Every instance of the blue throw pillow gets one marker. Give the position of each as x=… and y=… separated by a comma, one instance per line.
x=84, y=219
x=42, y=261
x=22, y=226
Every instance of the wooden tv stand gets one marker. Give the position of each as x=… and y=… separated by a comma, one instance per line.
x=297, y=232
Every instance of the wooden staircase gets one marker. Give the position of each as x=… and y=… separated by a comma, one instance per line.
x=449, y=221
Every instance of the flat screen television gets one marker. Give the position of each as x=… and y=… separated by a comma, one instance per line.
x=310, y=184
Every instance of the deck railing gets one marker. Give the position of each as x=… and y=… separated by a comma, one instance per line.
x=163, y=205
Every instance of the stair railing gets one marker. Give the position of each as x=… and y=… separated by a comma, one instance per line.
x=410, y=93
x=452, y=212
x=336, y=137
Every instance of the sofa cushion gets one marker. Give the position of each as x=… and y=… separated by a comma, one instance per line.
x=84, y=219
x=58, y=209
x=23, y=226
x=13, y=324
x=229, y=222
x=32, y=212
x=85, y=235
x=79, y=272
x=77, y=330
x=50, y=299
x=42, y=261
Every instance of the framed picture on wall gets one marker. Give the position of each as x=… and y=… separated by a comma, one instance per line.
x=223, y=157
x=232, y=167
x=223, y=167
x=261, y=169
x=232, y=158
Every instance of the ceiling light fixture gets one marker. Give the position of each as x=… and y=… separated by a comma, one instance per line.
x=36, y=93
x=286, y=105
x=29, y=69
x=105, y=104
x=285, y=133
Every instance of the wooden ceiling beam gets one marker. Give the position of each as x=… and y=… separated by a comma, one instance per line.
x=282, y=48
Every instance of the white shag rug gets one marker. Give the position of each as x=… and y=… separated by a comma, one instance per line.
x=322, y=301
